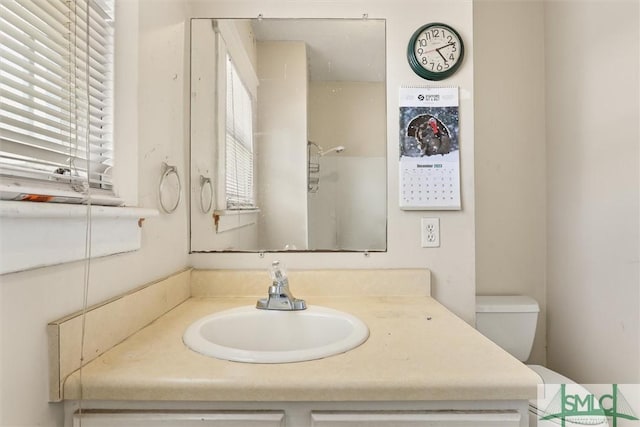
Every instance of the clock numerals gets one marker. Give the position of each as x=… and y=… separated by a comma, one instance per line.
x=436, y=35
x=433, y=66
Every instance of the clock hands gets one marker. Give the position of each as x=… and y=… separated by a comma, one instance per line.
x=446, y=45
x=440, y=53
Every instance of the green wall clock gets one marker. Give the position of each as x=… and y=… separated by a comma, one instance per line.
x=435, y=51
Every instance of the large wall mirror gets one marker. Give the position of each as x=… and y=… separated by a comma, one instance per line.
x=288, y=135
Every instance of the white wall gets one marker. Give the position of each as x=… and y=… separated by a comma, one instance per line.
x=281, y=144
x=29, y=300
x=203, y=134
x=593, y=163
x=510, y=161
x=453, y=264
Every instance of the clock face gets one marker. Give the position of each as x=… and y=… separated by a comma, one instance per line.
x=435, y=51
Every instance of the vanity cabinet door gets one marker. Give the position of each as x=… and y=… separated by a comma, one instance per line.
x=416, y=419
x=179, y=419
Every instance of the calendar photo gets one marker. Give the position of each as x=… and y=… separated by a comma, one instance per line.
x=428, y=133
x=429, y=149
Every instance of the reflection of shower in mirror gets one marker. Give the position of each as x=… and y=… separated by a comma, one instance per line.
x=338, y=149
x=321, y=152
x=313, y=164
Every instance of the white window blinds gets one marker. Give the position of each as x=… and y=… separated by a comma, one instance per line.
x=56, y=89
x=239, y=143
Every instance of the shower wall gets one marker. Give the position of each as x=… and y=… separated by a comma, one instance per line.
x=342, y=212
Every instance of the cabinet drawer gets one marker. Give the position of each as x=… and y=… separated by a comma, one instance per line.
x=180, y=419
x=416, y=419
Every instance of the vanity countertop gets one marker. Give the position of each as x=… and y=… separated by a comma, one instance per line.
x=417, y=350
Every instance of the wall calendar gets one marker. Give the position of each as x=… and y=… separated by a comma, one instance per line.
x=429, y=149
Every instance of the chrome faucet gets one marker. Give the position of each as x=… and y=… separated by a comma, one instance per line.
x=280, y=297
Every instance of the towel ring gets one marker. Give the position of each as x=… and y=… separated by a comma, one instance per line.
x=204, y=181
x=166, y=171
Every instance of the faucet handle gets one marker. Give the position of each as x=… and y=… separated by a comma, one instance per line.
x=278, y=273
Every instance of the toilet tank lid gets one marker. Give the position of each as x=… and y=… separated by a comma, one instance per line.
x=506, y=304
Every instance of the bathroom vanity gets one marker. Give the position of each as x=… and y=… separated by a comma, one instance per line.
x=420, y=366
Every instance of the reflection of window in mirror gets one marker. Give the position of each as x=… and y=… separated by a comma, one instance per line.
x=238, y=142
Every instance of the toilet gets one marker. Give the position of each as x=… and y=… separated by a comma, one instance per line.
x=510, y=321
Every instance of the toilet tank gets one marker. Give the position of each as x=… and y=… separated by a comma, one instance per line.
x=509, y=321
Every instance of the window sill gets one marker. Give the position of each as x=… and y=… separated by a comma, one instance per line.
x=227, y=220
x=42, y=234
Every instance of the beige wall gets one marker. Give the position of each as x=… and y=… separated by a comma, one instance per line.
x=557, y=209
x=510, y=159
x=335, y=111
x=31, y=299
x=453, y=264
x=592, y=69
x=592, y=242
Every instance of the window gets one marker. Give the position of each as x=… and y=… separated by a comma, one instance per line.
x=56, y=124
x=238, y=143
x=56, y=89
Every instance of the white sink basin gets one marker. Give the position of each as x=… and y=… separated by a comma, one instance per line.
x=247, y=334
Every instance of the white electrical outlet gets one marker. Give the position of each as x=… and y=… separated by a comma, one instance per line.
x=430, y=228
